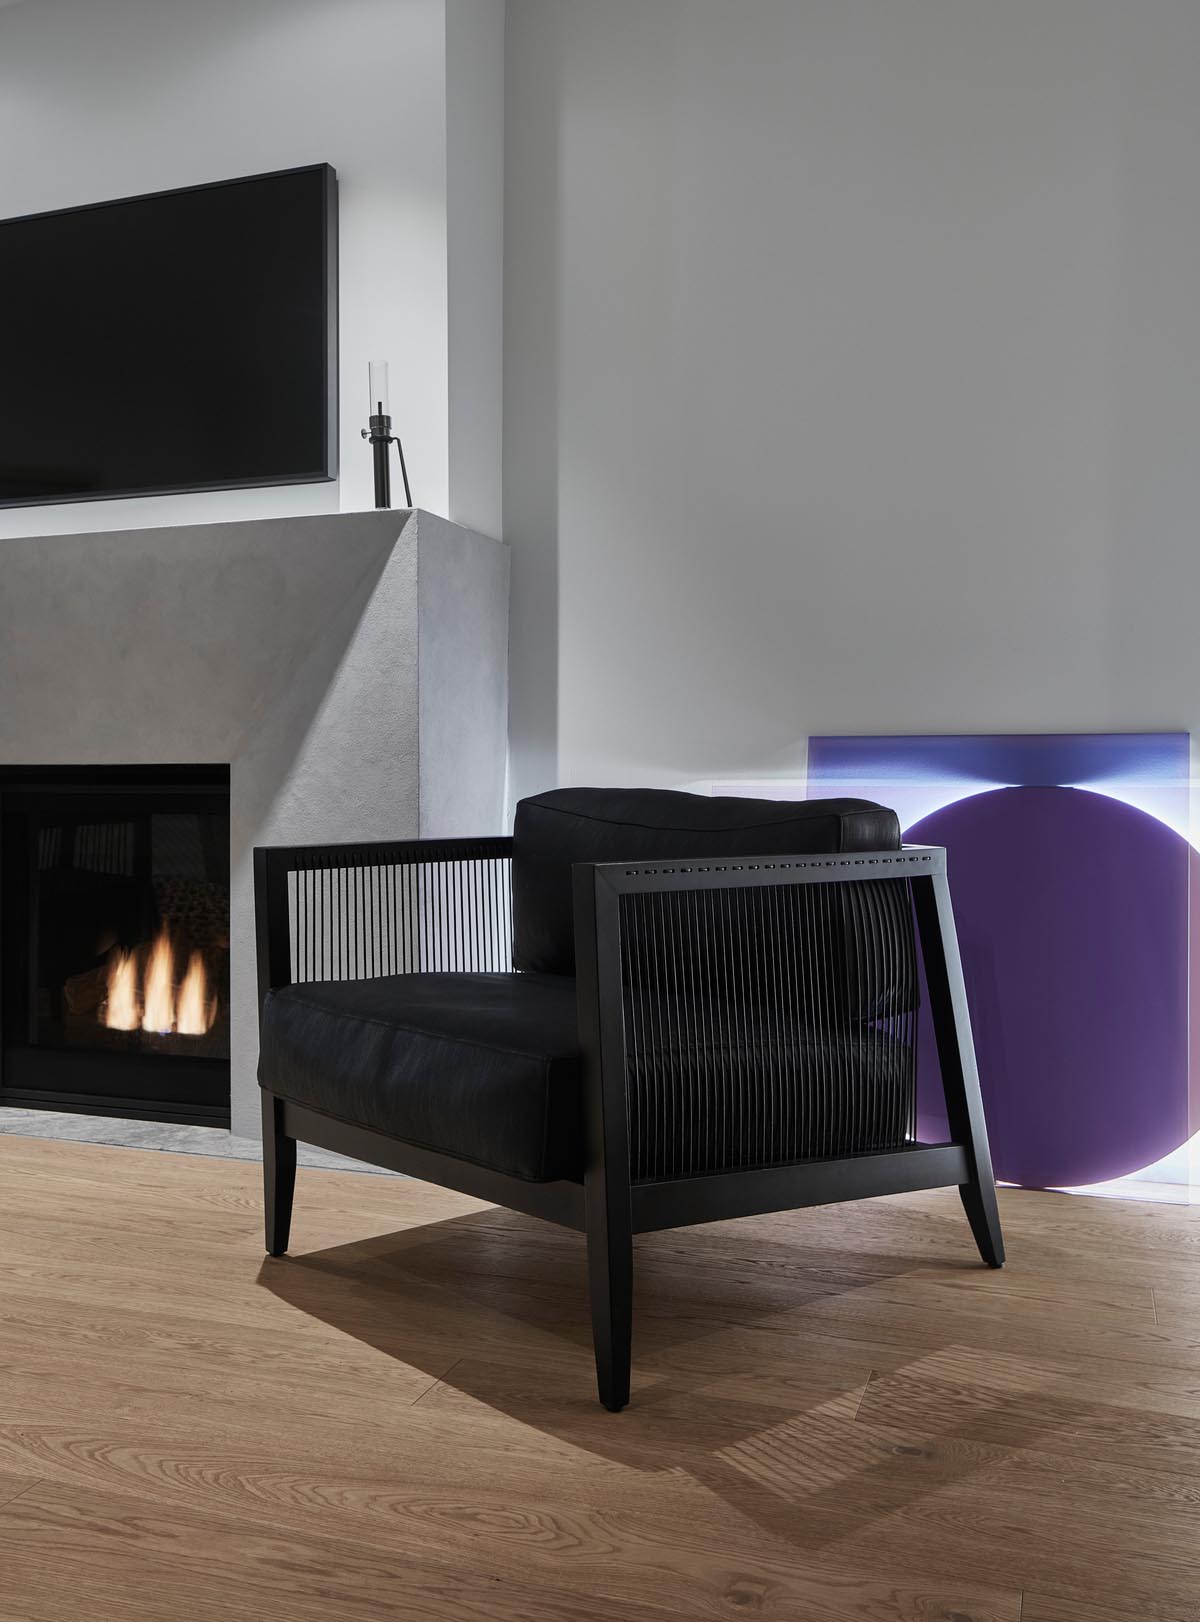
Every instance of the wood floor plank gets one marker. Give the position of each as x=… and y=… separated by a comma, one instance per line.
x=947, y=1393
x=888, y=1314
x=1045, y=1608
x=60, y=1543
x=540, y=1554
x=12, y=1486
x=839, y=1416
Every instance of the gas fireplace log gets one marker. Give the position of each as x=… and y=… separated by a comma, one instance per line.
x=83, y=993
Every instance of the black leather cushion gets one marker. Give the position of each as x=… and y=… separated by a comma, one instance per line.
x=569, y=825
x=485, y=1067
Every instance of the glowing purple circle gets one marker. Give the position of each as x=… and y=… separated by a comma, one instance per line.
x=1072, y=912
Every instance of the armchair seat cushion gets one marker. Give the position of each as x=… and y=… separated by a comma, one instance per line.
x=488, y=1068
x=485, y=1067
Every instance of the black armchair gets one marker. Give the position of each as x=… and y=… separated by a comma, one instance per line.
x=645, y=1009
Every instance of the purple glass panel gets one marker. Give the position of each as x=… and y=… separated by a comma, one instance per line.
x=1072, y=912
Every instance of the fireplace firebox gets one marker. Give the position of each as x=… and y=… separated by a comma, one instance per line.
x=114, y=941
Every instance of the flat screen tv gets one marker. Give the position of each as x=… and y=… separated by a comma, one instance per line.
x=181, y=341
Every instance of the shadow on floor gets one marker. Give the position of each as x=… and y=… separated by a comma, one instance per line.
x=756, y=1371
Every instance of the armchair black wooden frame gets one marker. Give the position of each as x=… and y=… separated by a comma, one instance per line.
x=610, y=1205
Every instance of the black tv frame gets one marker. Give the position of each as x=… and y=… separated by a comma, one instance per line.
x=323, y=475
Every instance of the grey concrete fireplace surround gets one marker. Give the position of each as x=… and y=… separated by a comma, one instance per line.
x=351, y=669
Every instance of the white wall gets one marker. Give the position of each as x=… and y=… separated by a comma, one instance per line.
x=474, y=254
x=852, y=375
x=107, y=98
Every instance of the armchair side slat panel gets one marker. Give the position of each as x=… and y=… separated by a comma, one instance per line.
x=768, y=1025
x=357, y=912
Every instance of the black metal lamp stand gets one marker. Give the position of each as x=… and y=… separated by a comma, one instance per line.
x=380, y=436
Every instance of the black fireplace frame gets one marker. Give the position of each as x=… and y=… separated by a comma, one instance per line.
x=178, y=1088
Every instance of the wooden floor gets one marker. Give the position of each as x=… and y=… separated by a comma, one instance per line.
x=837, y=1414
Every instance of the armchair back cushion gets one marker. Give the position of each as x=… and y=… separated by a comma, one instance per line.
x=564, y=826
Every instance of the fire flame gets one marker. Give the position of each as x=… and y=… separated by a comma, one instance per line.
x=195, y=1010
x=121, y=1011
x=158, y=988
x=155, y=1006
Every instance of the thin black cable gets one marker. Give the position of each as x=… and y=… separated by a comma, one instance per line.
x=408, y=501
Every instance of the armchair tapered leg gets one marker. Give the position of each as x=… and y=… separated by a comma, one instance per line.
x=979, y=1202
x=610, y=1284
x=279, y=1176
x=956, y=1060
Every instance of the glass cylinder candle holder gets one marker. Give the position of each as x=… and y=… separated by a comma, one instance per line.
x=378, y=376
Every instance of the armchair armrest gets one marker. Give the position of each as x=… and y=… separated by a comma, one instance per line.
x=350, y=911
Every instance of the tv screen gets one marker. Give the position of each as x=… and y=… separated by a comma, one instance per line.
x=181, y=341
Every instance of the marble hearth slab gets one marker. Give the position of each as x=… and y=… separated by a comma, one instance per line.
x=163, y=1138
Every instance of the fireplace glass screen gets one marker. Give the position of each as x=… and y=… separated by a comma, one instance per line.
x=115, y=923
